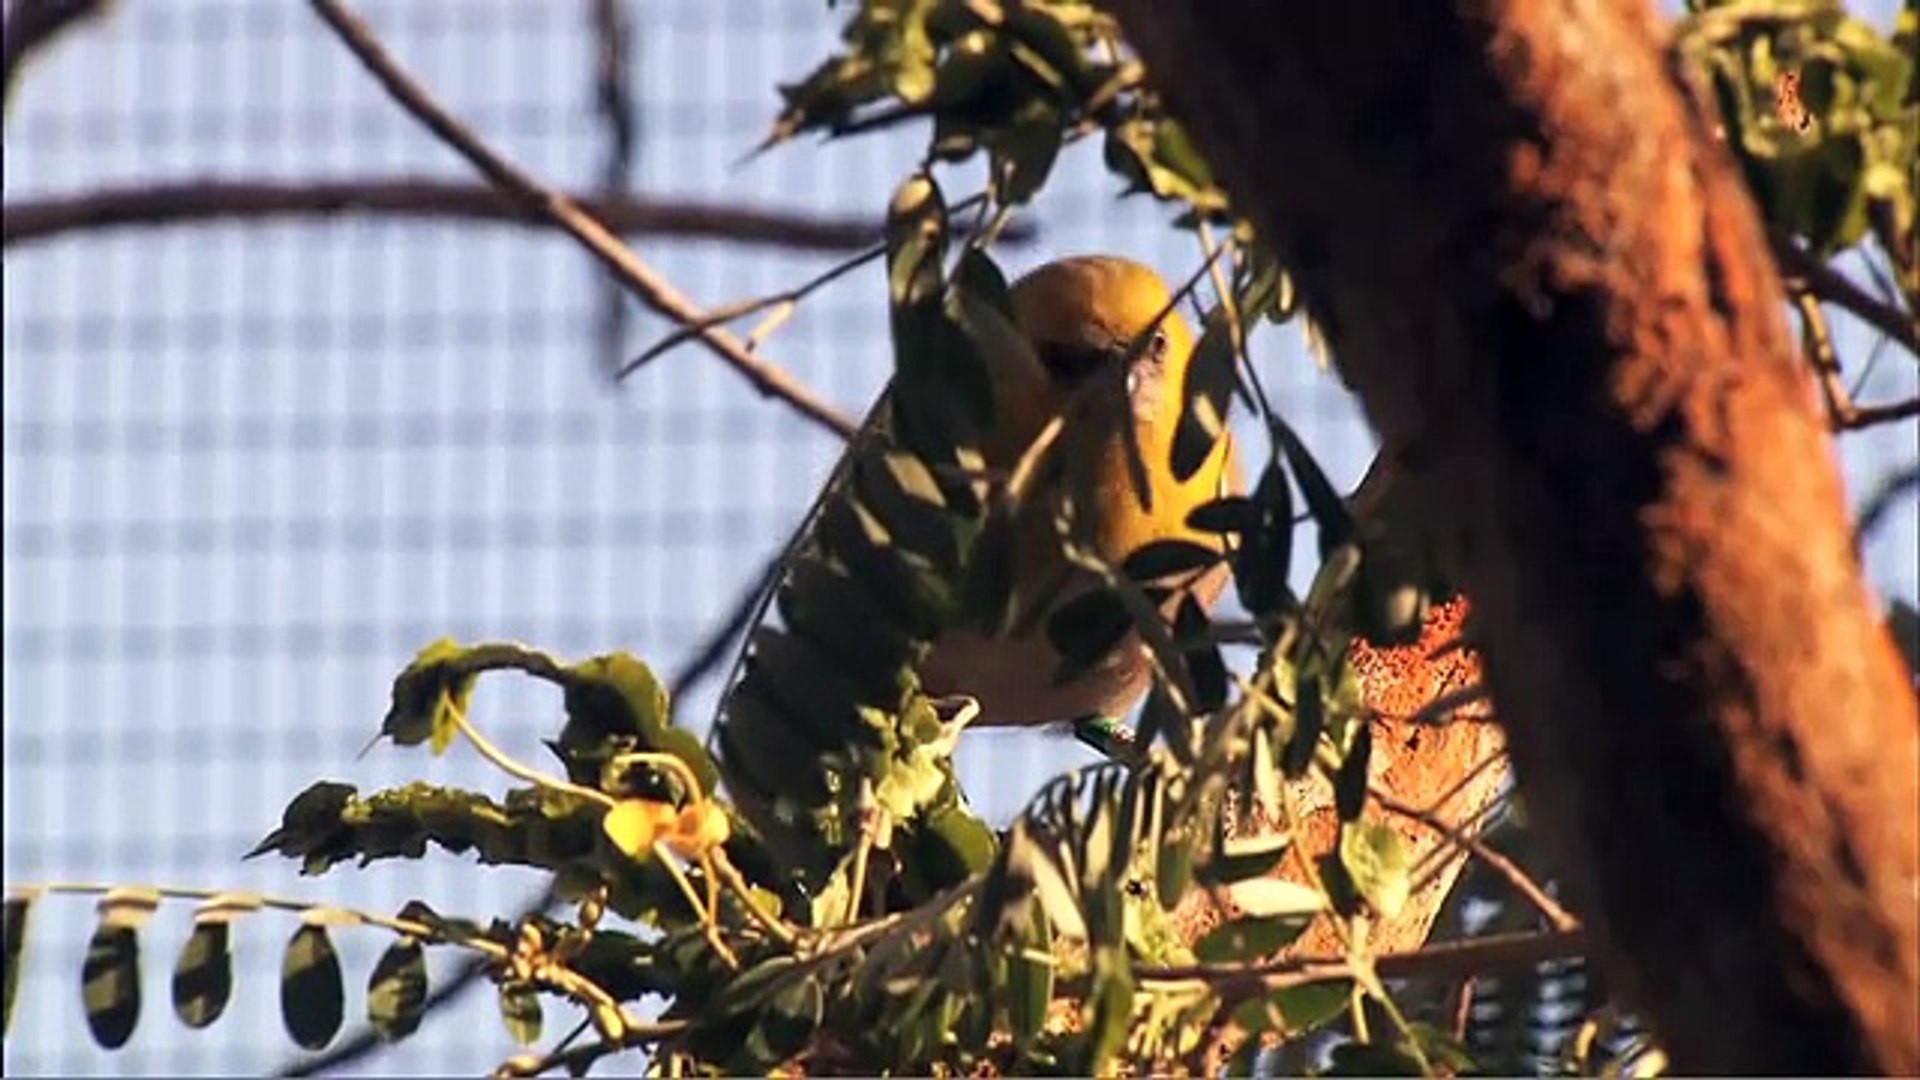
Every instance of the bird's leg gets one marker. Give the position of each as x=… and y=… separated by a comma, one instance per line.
x=1110, y=738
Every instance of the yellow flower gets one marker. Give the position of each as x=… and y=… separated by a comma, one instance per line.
x=634, y=824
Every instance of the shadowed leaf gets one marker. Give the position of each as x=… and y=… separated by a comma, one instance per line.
x=1250, y=938
x=1350, y=783
x=14, y=946
x=1087, y=628
x=520, y=1011
x=425, y=694
x=1266, y=543
x=1329, y=510
x=110, y=984
x=312, y=995
x=397, y=990
x=203, y=977
x=1375, y=858
x=1206, y=394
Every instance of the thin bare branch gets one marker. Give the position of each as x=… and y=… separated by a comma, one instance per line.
x=209, y=198
x=1522, y=882
x=1902, y=482
x=1448, y=960
x=1804, y=271
x=1842, y=413
x=1014, y=232
x=613, y=96
x=646, y=283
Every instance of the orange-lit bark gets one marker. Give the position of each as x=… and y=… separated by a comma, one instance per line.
x=1554, y=297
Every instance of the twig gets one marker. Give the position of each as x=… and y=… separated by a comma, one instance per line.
x=212, y=199
x=30, y=25
x=1903, y=481
x=1836, y=288
x=645, y=283
x=1448, y=960
x=492, y=951
x=1521, y=881
x=718, y=645
x=1842, y=413
x=613, y=92
x=789, y=297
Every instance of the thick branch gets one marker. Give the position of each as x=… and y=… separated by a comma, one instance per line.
x=642, y=280
x=1556, y=301
x=169, y=203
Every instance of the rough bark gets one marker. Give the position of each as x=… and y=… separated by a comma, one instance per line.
x=1452, y=766
x=1554, y=297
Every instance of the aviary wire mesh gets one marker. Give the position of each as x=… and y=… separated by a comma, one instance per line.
x=251, y=467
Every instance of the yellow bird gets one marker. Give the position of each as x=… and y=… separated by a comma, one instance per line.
x=1083, y=316
x=1087, y=398
x=1101, y=350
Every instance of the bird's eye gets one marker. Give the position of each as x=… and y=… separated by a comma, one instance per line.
x=1159, y=346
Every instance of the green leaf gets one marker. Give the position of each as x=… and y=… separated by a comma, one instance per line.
x=1296, y=1010
x=1372, y=1059
x=203, y=977
x=1173, y=871
x=110, y=983
x=1023, y=153
x=1269, y=292
x=1307, y=1007
x=1205, y=666
x=1029, y=862
x=312, y=995
x=916, y=242
x=14, y=945
x=903, y=492
x=1161, y=718
x=1275, y=898
x=1246, y=1058
x=1350, y=783
x=1245, y=857
x=992, y=571
x=1030, y=980
x=1206, y=396
x=426, y=694
x=1310, y=719
x=311, y=821
x=1248, y=939
x=1378, y=862
x=1111, y=999
x=397, y=990
x=977, y=276
x=1441, y=1048
x=1155, y=154
x=952, y=843
x=534, y=827
x=616, y=702
x=790, y=1021
x=520, y=1012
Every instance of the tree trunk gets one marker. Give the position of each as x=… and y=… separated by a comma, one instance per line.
x=1553, y=295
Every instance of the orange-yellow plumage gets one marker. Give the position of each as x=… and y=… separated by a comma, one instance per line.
x=1083, y=316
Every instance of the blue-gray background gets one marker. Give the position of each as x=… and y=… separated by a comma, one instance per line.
x=249, y=469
